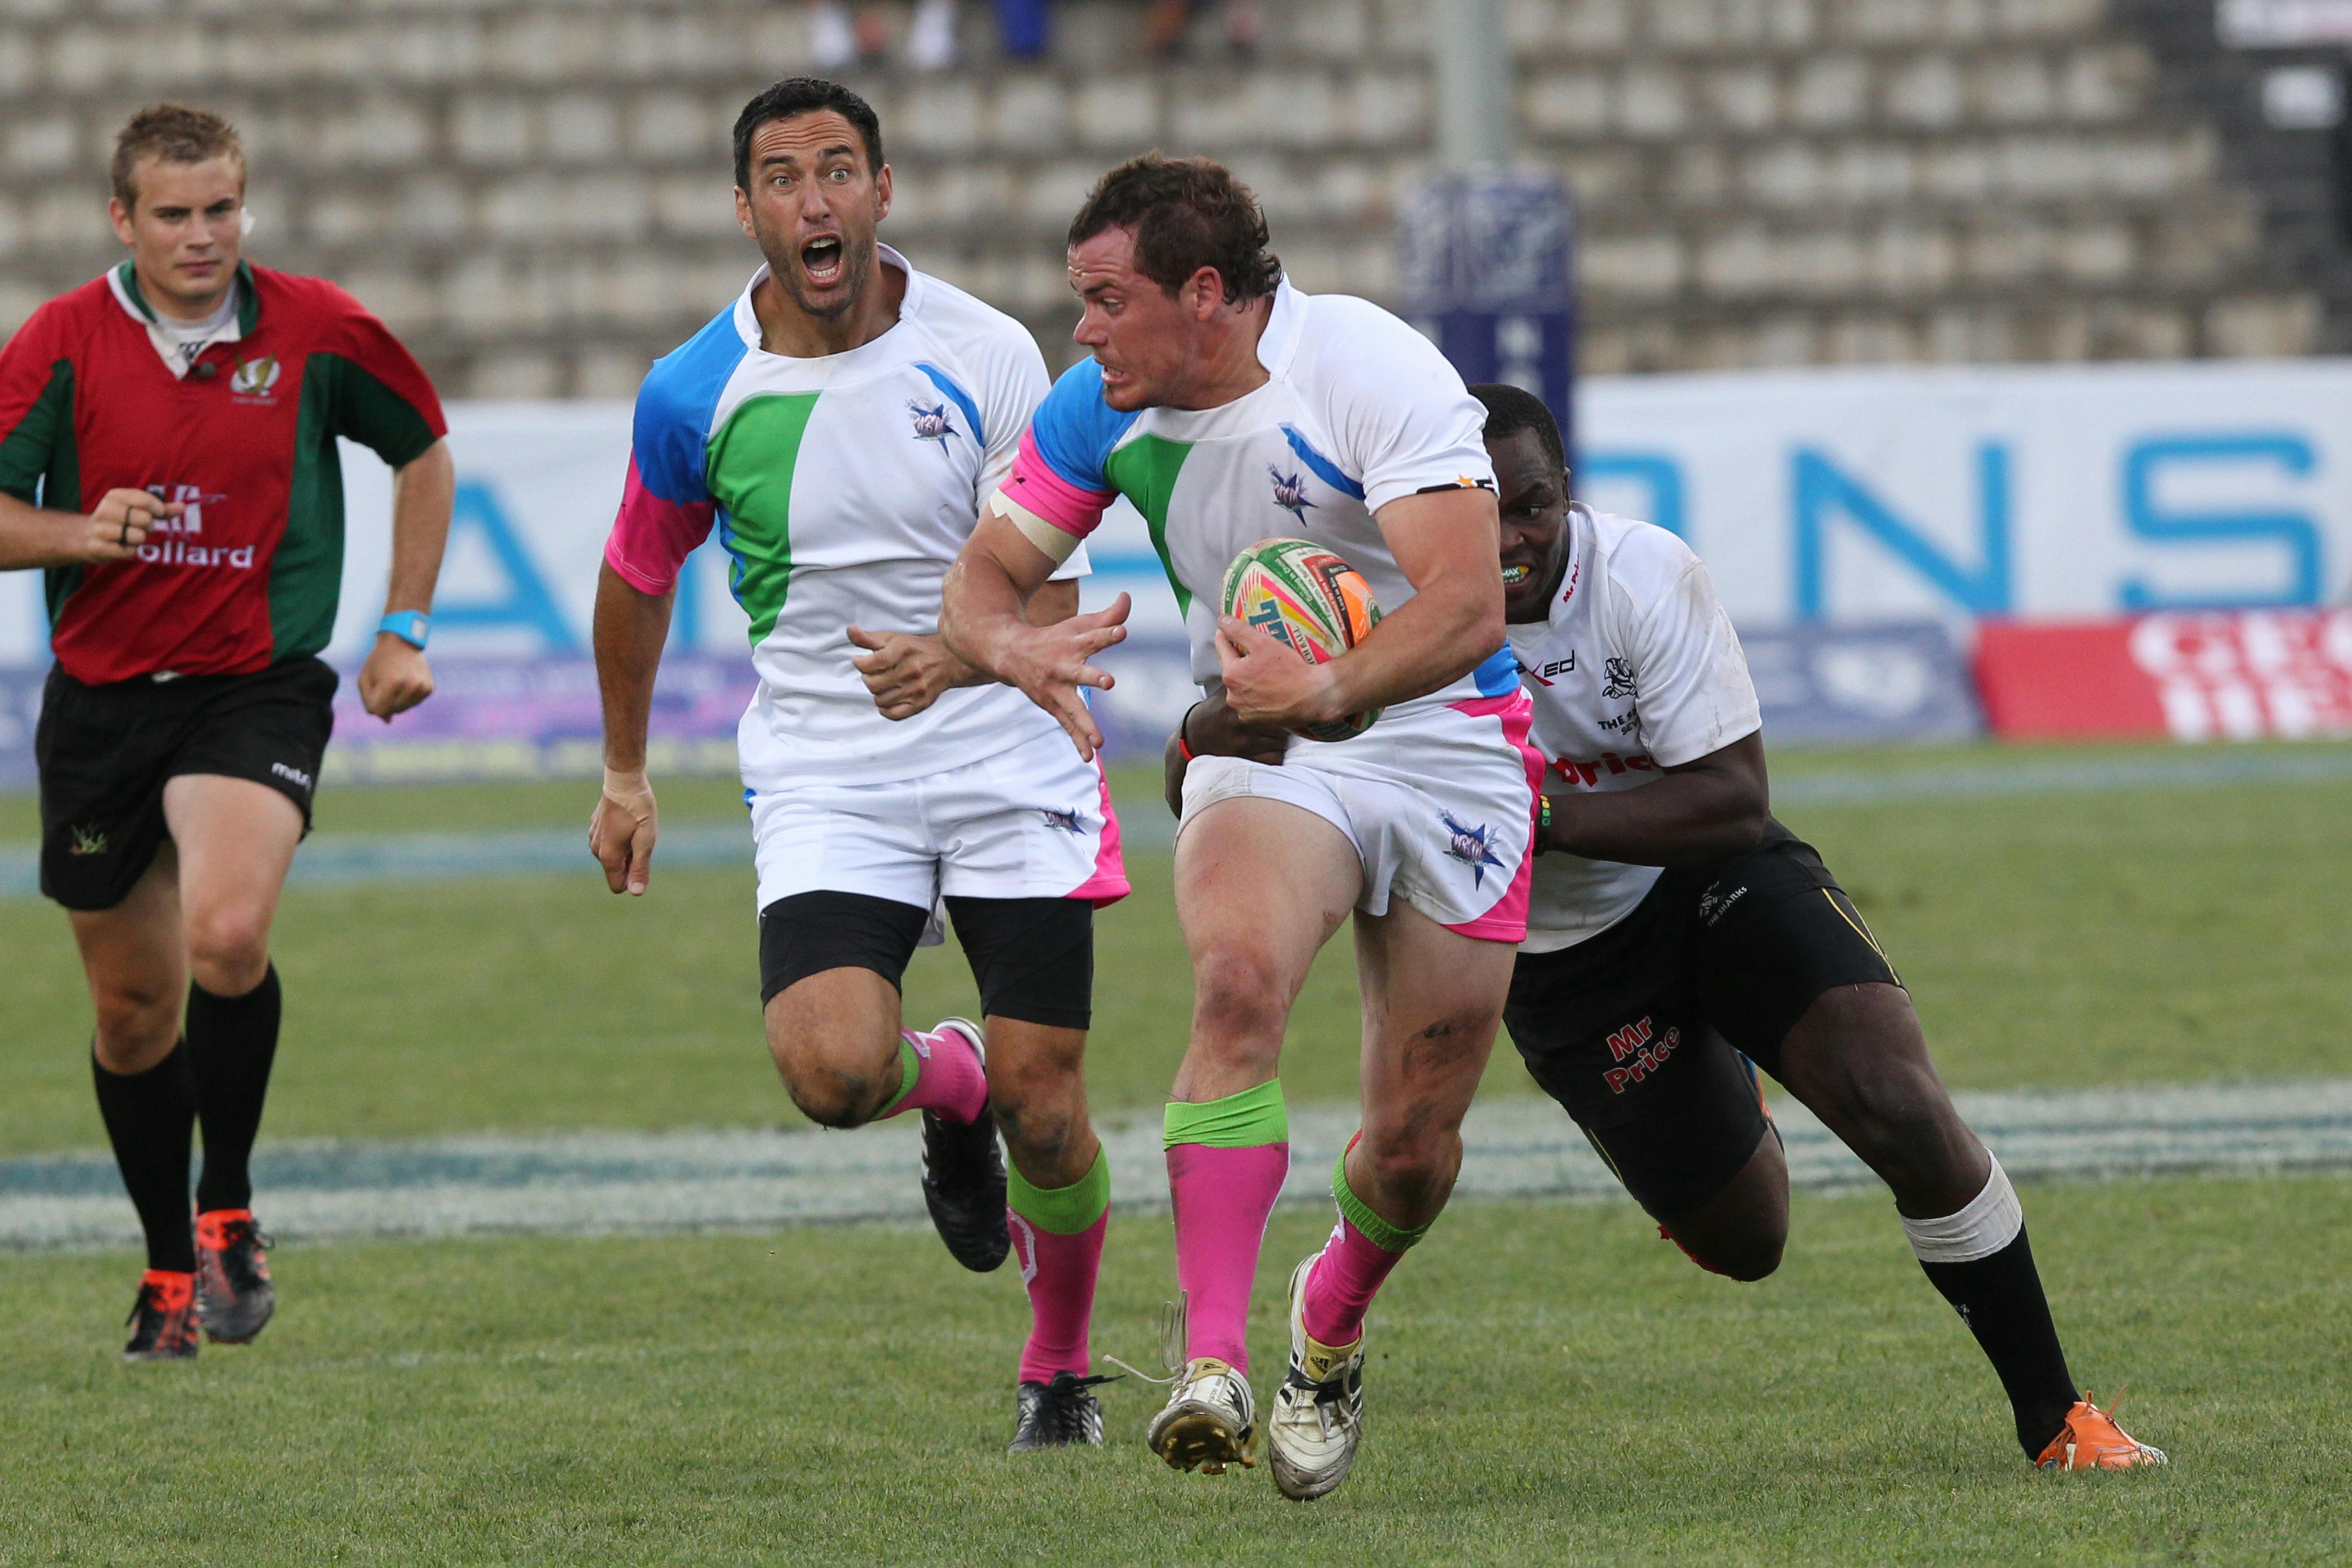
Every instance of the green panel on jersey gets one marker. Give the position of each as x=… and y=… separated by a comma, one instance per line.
x=748, y=469
x=1144, y=471
x=40, y=466
x=306, y=570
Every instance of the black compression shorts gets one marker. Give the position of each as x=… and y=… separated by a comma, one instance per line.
x=1033, y=958
x=105, y=753
x=1638, y=1031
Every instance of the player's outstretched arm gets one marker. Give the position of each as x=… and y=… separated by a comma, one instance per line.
x=983, y=621
x=1447, y=542
x=906, y=672
x=1694, y=815
x=397, y=676
x=630, y=626
x=33, y=536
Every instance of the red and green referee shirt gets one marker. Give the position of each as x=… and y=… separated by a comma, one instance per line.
x=249, y=573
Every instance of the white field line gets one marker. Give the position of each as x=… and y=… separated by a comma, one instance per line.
x=596, y=1183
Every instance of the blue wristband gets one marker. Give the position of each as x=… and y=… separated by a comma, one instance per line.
x=411, y=626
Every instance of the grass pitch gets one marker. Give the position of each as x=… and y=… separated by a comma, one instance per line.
x=2152, y=935
x=1548, y=1384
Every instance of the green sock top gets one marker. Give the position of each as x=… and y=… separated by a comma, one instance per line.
x=1379, y=1231
x=1065, y=1211
x=1244, y=1120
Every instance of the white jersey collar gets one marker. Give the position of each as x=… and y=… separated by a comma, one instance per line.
x=1284, y=325
x=178, y=344
x=747, y=319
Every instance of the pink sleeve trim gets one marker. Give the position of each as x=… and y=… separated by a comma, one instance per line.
x=652, y=537
x=1037, y=490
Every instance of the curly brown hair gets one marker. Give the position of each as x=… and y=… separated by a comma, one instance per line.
x=169, y=133
x=1185, y=214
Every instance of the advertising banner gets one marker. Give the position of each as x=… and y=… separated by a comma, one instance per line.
x=2214, y=676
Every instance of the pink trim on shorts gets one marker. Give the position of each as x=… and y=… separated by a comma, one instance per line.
x=1108, y=884
x=1507, y=921
x=651, y=537
x=1036, y=488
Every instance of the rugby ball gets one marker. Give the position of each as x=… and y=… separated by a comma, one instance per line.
x=1311, y=599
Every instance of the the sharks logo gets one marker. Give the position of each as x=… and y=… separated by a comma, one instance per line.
x=1290, y=492
x=932, y=422
x=1474, y=846
x=87, y=841
x=1068, y=821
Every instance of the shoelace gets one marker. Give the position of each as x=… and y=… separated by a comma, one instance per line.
x=1065, y=1400
x=1333, y=1413
x=1173, y=1315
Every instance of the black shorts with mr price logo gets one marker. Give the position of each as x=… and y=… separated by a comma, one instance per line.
x=1639, y=1032
x=105, y=753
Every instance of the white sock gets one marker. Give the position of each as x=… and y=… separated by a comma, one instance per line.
x=1989, y=1222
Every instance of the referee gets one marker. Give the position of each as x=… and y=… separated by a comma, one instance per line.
x=167, y=456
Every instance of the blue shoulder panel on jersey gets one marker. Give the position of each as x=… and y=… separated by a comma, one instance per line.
x=1074, y=429
x=959, y=398
x=672, y=428
x=1323, y=468
x=1499, y=675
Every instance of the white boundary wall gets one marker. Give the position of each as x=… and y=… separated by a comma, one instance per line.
x=1848, y=496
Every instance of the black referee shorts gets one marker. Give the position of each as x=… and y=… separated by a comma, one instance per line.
x=105, y=753
x=1639, y=1032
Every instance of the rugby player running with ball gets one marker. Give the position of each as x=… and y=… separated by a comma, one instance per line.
x=1228, y=406
x=167, y=456
x=841, y=423
x=1676, y=927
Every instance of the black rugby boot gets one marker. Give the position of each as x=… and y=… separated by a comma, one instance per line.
x=234, y=1294
x=963, y=1176
x=1062, y=1414
x=162, y=1320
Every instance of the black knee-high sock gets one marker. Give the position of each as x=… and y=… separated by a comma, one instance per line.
x=150, y=1117
x=232, y=1040
x=1999, y=1298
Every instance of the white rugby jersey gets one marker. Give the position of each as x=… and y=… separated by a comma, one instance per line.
x=1358, y=410
x=842, y=486
x=1636, y=669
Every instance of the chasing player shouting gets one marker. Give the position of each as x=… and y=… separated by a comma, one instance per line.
x=1675, y=925
x=840, y=422
x=1228, y=406
x=167, y=453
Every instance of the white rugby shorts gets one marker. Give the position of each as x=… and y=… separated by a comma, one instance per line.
x=1033, y=822
x=1439, y=802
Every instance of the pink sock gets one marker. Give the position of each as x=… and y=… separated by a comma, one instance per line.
x=1341, y=1285
x=1058, y=1272
x=1223, y=1198
x=940, y=1071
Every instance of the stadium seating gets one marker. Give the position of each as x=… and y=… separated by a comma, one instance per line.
x=534, y=192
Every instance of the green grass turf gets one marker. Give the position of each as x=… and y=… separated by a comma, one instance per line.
x=2140, y=936
x=1548, y=1384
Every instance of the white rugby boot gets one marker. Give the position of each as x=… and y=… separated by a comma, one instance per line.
x=1319, y=1411
x=1209, y=1422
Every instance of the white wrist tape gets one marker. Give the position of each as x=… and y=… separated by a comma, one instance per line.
x=630, y=787
x=1989, y=1222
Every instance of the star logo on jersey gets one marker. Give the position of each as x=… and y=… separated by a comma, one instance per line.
x=1290, y=492
x=87, y=841
x=1068, y=821
x=1474, y=846
x=255, y=377
x=932, y=422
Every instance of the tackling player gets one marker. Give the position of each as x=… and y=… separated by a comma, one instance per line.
x=1675, y=926
x=167, y=455
x=840, y=422
x=1228, y=406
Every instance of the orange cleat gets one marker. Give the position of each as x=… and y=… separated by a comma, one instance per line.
x=162, y=1320
x=234, y=1295
x=2091, y=1441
